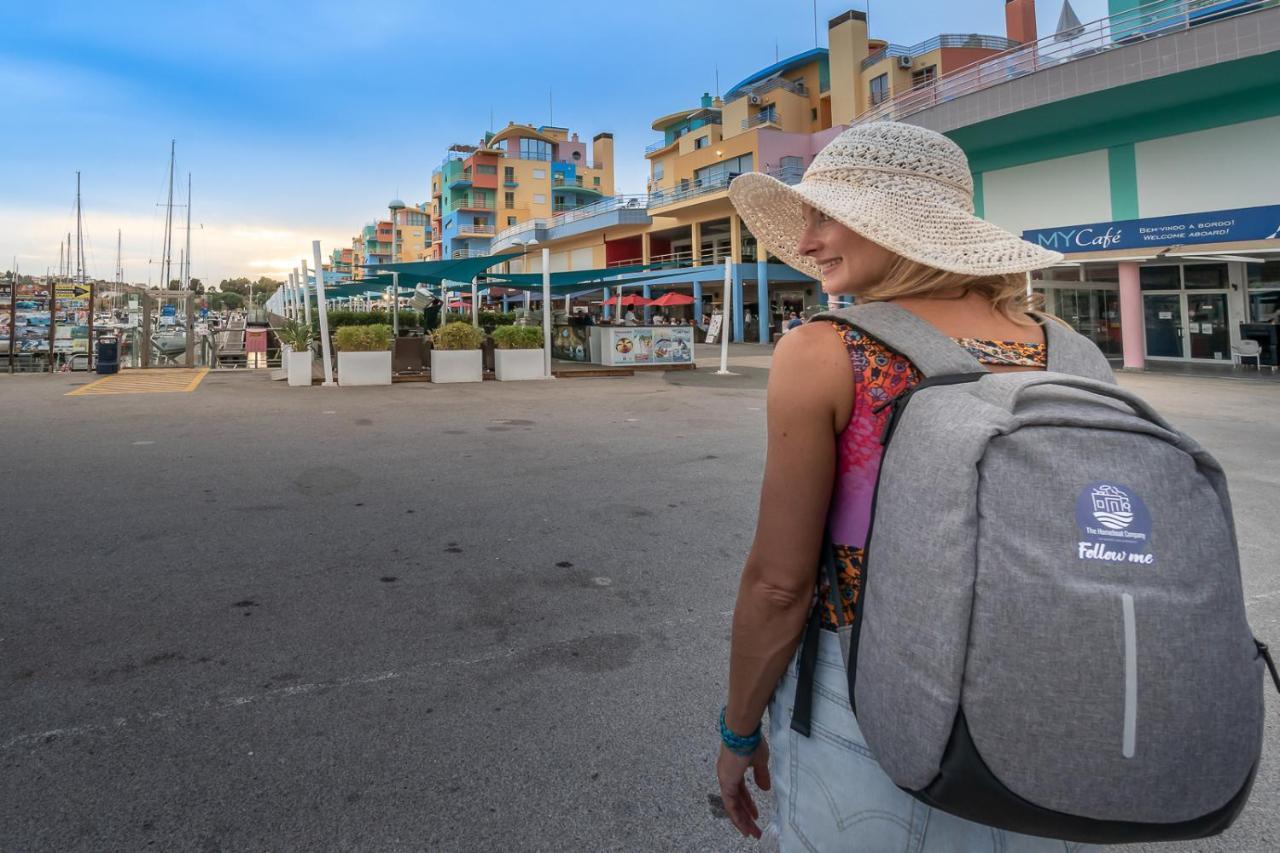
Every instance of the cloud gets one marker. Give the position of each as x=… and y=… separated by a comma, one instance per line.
x=218, y=250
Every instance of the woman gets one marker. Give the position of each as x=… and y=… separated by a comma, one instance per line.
x=884, y=213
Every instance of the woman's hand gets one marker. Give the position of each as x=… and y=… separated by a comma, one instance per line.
x=731, y=770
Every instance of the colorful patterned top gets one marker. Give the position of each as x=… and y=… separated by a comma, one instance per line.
x=880, y=374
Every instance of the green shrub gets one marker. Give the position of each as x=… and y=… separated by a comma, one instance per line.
x=408, y=319
x=296, y=334
x=517, y=337
x=458, y=336
x=374, y=338
x=494, y=319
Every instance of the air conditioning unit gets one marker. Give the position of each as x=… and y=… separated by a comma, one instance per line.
x=904, y=62
x=754, y=100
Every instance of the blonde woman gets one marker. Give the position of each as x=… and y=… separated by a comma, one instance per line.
x=884, y=213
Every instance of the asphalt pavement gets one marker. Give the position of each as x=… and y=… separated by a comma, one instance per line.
x=453, y=618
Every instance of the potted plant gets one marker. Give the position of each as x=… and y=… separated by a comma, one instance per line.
x=455, y=354
x=295, y=338
x=519, y=353
x=364, y=354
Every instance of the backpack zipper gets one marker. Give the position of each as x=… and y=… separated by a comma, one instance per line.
x=898, y=405
x=1265, y=654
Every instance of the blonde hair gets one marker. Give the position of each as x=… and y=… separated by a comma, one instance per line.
x=1007, y=293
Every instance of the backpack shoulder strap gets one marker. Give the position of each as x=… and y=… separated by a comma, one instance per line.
x=1072, y=353
x=930, y=351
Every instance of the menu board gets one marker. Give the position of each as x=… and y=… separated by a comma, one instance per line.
x=632, y=345
x=673, y=345
x=73, y=303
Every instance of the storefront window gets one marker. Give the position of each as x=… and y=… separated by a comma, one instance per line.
x=1264, y=291
x=1094, y=313
x=1071, y=273
x=1160, y=278
x=1102, y=273
x=1205, y=276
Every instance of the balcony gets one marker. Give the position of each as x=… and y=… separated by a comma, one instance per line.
x=970, y=40
x=1103, y=36
x=658, y=146
x=459, y=254
x=473, y=204
x=475, y=230
x=786, y=174
x=766, y=86
x=692, y=189
x=462, y=182
x=761, y=119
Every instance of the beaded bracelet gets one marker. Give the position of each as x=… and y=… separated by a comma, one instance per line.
x=736, y=743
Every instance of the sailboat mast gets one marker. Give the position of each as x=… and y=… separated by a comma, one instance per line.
x=166, y=259
x=79, y=236
x=186, y=278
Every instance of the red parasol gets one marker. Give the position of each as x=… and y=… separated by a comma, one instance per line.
x=670, y=299
x=627, y=300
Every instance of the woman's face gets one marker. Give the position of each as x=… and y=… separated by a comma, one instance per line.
x=850, y=263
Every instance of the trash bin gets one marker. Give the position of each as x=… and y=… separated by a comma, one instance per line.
x=108, y=355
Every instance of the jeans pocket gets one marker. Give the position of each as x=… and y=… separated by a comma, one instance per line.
x=840, y=800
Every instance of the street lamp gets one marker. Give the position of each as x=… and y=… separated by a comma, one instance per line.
x=546, y=303
x=395, y=206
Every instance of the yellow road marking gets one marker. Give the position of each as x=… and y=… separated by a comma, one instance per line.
x=157, y=381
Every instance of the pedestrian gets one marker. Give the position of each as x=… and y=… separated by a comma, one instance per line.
x=793, y=322
x=630, y=318
x=884, y=214
x=431, y=314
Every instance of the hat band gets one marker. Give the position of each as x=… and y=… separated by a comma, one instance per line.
x=890, y=170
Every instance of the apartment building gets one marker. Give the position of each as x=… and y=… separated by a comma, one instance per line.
x=375, y=243
x=774, y=120
x=518, y=174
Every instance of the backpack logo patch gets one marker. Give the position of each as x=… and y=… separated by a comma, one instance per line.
x=1114, y=525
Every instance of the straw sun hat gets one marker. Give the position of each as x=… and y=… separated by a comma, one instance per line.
x=901, y=186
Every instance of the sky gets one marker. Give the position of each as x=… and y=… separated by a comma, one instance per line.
x=299, y=121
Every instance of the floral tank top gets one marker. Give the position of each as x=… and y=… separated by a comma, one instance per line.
x=880, y=374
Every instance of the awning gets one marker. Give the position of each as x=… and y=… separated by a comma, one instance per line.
x=435, y=272
x=575, y=277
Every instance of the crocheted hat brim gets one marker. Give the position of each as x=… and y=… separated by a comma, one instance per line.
x=930, y=232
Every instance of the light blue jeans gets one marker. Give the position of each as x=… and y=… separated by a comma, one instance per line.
x=830, y=795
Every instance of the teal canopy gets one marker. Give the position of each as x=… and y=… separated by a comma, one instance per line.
x=435, y=272
x=561, y=278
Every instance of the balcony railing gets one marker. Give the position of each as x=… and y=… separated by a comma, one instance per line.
x=761, y=118
x=971, y=40
x=786, y=174
x=468, y=253
x=658, y=146
x=473, y=204
x=466, y=228
x=766, y=86
x=1152, y=20
x=617, y=202
x=662, y=197
x=529, y=155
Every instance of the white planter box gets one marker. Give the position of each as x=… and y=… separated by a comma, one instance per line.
x=283, y=372
x=299, y=366
x=515, y=364
x=464, y=365
x=364, y=368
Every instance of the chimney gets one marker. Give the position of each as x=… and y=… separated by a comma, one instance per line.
x=1020, y=20
x=706, y=100
x=847, y=46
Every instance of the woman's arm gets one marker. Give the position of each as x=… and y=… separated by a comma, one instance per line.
x=809, y=402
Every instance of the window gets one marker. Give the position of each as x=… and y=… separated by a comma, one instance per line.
x=539, y=198
x=486, y=170
x=658, y=171
x=813, y=114
x=924, y=76
x=539, y=174
x=511, y=220
x=596, y=181
x=535, y=149
x=1205, y=277
x=509, y=200
x=1159, y=278
x=577, y=155
x=720, y=173
x=509, y=174
x=701, y=142
x=880, y=89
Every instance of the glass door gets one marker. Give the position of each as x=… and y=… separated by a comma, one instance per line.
x=1162, y=313
x=1207, y=324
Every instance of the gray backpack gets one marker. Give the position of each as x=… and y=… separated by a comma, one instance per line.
x=1051, y=633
